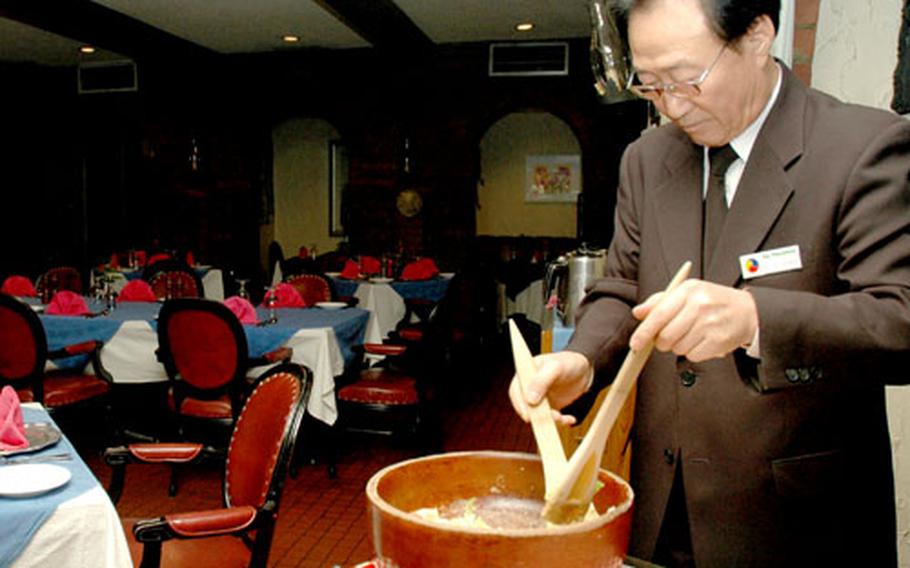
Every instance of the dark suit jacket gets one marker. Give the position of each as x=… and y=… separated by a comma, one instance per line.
x=786, y=460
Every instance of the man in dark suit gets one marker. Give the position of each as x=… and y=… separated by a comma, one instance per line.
x=760, y=434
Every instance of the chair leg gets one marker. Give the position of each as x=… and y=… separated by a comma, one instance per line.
x=115, y=488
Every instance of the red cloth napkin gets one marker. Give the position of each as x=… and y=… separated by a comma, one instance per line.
x=190, y=259
x=16, y=285
x=66, y=303
x=158, y=256
x=351, y=270
x=242, y=308
x=12, y=428
x=422, y=269
x=115, y=261
x=369, y=265
x=286, y=296
x=137, y=291
x=140, y=257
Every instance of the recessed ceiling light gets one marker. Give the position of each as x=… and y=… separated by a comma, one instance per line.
x=524, y=27
x=288, y=38
x=87, y=49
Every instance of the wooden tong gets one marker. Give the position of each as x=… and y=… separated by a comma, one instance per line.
x=569, y=497
x=552, y=454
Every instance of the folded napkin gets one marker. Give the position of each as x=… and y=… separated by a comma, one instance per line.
x=422, y=269
x=351, y=270
x=242, y=308
x=286, y=296
x=12, y=428
x=137, y=291
x=66, y=303
x=140, y=257
x=157, y=257
x=190, y=259
x=370, y=265
x=114, y=262
x=18, y=286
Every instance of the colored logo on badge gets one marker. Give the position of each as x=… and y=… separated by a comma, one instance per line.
x=752, y=265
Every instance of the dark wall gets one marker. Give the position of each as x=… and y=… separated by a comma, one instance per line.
x=87, y=174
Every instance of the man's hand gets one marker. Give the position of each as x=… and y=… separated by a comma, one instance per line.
x=699, y=320
x=561, y=377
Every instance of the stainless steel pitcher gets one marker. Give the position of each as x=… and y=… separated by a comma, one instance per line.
x=570, y=275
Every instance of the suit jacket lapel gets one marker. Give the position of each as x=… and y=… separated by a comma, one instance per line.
x=678, y=207
x=764, y=188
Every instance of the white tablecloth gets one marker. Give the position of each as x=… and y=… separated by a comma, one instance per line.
x=384, y=303
x=528, y=302
x=84, y=531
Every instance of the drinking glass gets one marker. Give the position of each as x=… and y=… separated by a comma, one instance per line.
x=241, y=290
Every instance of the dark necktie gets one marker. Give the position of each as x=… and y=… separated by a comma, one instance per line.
x=715, y=205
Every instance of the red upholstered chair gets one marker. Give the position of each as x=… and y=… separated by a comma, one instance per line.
x=59, y=278
x=204, y=351
x=388, y=399
x=312, y=287
x=239, y=533
x=24, y=354
x=173, y=278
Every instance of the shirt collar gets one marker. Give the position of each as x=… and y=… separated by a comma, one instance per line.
x=745, y=140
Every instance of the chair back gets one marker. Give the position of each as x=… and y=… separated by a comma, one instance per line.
x=173, y=278
x=262, y=445
x=312, y=287
x=23, y=346
x=203, y=348
x=59, y=278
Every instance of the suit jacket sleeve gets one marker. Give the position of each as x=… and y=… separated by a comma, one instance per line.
x=604, y=322
x=862, y=331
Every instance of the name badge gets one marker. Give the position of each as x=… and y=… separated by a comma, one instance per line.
x=772, y=261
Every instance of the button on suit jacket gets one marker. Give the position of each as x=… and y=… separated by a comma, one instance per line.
x=786, y=460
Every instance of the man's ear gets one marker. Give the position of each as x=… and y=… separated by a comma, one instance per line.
x=760, y=35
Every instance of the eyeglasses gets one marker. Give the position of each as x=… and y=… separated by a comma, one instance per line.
x=684, y=89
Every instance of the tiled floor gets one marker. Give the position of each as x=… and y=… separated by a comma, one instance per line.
x=322, y=522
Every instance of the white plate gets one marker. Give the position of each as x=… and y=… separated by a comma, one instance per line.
x=37, y=308
x=30, y=479
x=333, y=274
x=331, y=305
x=203, y=267
x=381, y=280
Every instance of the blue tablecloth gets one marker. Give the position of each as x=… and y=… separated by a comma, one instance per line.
x=22, y=517
x=433, y=289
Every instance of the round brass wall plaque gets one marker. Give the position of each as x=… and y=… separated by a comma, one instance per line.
x=409, y=202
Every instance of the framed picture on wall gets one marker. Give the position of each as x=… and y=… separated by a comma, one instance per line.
x=551, y=179
x=338, y=180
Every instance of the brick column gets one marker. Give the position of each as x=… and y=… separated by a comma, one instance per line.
x=804, y=38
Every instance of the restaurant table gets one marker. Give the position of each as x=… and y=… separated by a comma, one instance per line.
x=382, y=297
x=321, y=339
x=73, y=526
x=212, y=282
x=386, y=300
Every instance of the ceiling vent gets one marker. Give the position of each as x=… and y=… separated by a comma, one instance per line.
x=107, y=77
x=529, y=59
